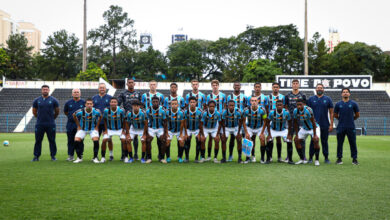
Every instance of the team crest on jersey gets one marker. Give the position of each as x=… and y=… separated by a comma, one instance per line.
x=70, y=106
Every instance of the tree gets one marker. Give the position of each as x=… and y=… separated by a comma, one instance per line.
x=261, y=70
x=117, y=33
x=147, y=64
x=93, y=73
x=5, y=62
x=20, y=57
x=318, y=56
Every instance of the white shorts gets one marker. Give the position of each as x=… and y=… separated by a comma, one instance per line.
x=156, y=132
x=302, y=134
x=136, y=132
x=171, y=134
x=192, y=132
x=283, y=134
x=256, y=132
x=229, y=131
x=212, y=132
x=111, y=133
x=81, y=134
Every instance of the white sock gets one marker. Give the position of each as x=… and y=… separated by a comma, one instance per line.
x=111, y=153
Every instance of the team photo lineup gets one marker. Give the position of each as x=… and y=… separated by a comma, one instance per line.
x=208, y=118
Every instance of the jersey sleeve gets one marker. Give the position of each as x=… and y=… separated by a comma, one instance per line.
x=337, y=108
x=166, y=103
x=35, y=103
x=308, y=102
x=330, y=103
x=355, y=107
x=310, y=112
x=55, y=103
x=288, y=115
x=182, y=103
x=66, y=107
x=161, y=99
x=143, y=100
x=295, y=114
x=271, y=115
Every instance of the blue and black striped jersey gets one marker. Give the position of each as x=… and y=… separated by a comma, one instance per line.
x=210, y=121
x=156, y=117
x=146, y=99
x=174, y=120
x=231, y=118
x=304, y=117
x=240, y=100
x=220, y=100
x=193, y=118
x=88, y=120
x=255, y=119
x=200, y=97
x=114, y=119
x=273, y=99
x=180, y=100
x=136, y=120
x=278, y=120
x=262, y=99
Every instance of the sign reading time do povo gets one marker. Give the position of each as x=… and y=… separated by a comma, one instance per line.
x=330, y=82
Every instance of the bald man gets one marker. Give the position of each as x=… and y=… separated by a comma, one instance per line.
x=70, y=107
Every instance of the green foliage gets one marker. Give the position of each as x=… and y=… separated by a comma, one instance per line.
x=149, y=63
x=20, y=57
x=93, y=73
x=5, y=62
x=261, y=70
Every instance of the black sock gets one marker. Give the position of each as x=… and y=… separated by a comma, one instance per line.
x=78, y=149
x=125, y=152
x=197, y=151
x=181, y=149
x=216, y=153
x=103, y=153
x=279, y=148
x=317, y=153
x=168, y=151
x=143, y=155
x=209, y=151
x=262, y=151
x=253, y=150
x=239, y=155
x=300, y=153
x=131, y=154
x=187, y=151
x=95, y=149
x=223, y=154
x=289, y=150
x=270, y=148
x=202, y=153
x=159, y=149
x=231, y=145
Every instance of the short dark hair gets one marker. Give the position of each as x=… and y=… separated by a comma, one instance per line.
x=295, y=80
x=300, y=100
x=155, y=97
x=136, y=102
x=275, y=83
x=279, y=101
x=114, y=98
x=212, y=101
x=45, y=86
x=257, y=83
x=173, y=84
x=342, y=90
x=231, y=100
x=320, y=84
x=192, y=98
x=174, y=100
x=89, y=99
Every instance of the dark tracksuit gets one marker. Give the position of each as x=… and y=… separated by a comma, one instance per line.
x=70, y=107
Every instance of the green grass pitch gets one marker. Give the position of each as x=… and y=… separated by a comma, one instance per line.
x=114, y=190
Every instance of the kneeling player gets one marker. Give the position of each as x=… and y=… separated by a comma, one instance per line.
x=115, y=125
x=254, y=116
x=277, y=119
x=231, y=126
x=212, y=126
x=137, y=125
x=305, y=116
x=157, y=126
x=87, y=120
x=175, y=118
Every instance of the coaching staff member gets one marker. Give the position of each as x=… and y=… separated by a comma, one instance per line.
x=46, y=110
x=127, y=99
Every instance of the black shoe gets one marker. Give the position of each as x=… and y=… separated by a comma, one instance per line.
x=136, y=157
x=239, y=160
x=223, y=160
x=35, y=159
x=355, y=162
x=112, y=158
x=310, y=160
x=267, y=162
x=123, y=157
x=53, y=158
x=339, y=161
x=291, y=162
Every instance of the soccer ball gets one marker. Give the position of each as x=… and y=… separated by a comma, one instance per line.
x=6, y=143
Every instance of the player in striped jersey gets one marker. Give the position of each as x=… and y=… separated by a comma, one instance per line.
x=277, y=119
x=254, y=117
x=241, y=102
x=304, y=115
x=273, y=98
x=180, y=100
x=175, y=118
x=262, y=99
x=146, y=98
x=194, y=126
x=157, y=126
x=137, y=125
x=200, y=97
x=87, y=120
x=231, y=126
x=211, y=119
x=114, y=125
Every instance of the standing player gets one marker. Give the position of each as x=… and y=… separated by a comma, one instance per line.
x=199, y=96
x=231, y=125
x=274, y=97
x=101, y=101
x=46, y=110
x=175, y=118
x=304, y=115
x=87, y=121
x=137, y=126
x=262, y=99
x=291, y=102
x=321, y=105
x=194, y=126
x=255, y=126
x=212, y=126
x=277, y=119
x=157, y=126
x=70, y=107
x=147, y=97
x=115, y=125
x=241, y=102
x=346, y=111
x=127, y=98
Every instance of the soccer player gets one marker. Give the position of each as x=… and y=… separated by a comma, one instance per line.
x=70, y=107
x=274, y=97
x=321, y=105
x=115, y=125
x=46, y=110
x=211, y=120
x=175, y=118
x=254, y=117
x=199, y=96
x=304, y=115
x=277, y=119
x=101, y=101
x=262, y=99
x=241, y=102
x=291, y=102
x=346, y=111
x=231, y=126
x=194, y=127
x=137, y=126
x=147, y=97
x=87, y=121
x=157, y=126
x=127, y=98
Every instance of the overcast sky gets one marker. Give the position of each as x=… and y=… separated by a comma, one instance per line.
x=356, y=20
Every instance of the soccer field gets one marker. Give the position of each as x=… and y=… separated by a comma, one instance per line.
x=114, y=190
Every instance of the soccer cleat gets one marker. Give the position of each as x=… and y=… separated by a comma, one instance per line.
x=310, y=161
x=299, y=162
x=148, y=161
x=131, y=160
x=208, y=159
x=35, y=159
x=136, y=157
x=168, y=160
x=316, y=162
x=247, y=161
x=111, y=158
x=262, y=161
x=126, y=160
x=291, y=162
x=70, y=158
x=253, y=159
x=186, y=160
x=327, y=161
x=95, y=160
x=270, y=160
x=201, y=160
x=286, y=160
x=223, y=160
x=103, y=160
x=78, y=160
x=163, y=161
x=280, y=160
x=355, y=162
x=180, y=160
x=53, y=159
x=216, y=160
x=143, y=160
x=339, y=161
x=230, y=159
x=239, y=160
